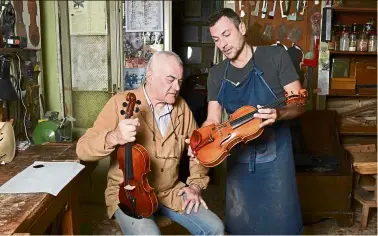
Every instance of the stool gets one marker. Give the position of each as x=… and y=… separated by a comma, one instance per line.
x=365, y=163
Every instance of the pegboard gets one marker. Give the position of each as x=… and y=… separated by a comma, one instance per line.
x=256, y=24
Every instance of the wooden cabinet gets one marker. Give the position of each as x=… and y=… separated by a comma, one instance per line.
x=359, y=88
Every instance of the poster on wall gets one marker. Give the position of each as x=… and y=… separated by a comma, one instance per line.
x=28, y=23
x=87, y=17
x=140, y=46
x=133, y=77
x=143, y=16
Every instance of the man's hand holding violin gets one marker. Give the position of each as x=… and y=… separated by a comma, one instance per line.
x=269, y=115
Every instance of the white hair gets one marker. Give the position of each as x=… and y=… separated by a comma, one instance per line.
x=165, y=53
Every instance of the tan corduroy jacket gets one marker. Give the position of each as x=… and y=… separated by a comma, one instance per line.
x=164, y=167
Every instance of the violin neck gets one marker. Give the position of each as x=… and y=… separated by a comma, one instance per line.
x=128, y=165
x=128, y=162
x=249, y=116
x=275, y=103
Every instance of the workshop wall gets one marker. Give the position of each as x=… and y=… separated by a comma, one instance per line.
x=52, y=91
x=269, y=30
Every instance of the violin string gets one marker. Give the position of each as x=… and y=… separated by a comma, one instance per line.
x=249, y=115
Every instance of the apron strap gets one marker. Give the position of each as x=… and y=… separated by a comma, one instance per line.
x=252, y=158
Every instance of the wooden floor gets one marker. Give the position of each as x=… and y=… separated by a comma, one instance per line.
x=95, y=221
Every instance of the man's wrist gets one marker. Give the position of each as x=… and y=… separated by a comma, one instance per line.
x=195, y=187
x=110, y=140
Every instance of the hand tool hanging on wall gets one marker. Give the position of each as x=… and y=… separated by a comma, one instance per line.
x=34, y=36
x=295, y=34
x=264, y=8
x=295, y=16
x=281, y=32
x=267, y=34
x=285, y=9
x=272, y=12
x=257, y=8
x=20, y=25
x=304, y=6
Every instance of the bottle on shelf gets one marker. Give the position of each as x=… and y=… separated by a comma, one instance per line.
x=362, y=41
x=353, y=37
x=333, y=44
x=344, y=38
x=372, y=45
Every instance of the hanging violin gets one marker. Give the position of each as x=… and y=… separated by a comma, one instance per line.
x=212, y=144
x=137, y=198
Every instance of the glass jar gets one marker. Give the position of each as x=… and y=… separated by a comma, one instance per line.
x=372, y=45
x=353, y=38
x=362, y=42
x=368, y=27
x=344, y=38
x=331, y=43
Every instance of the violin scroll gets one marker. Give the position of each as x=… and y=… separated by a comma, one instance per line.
x=129, y=106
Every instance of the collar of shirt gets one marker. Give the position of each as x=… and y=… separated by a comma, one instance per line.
x=163, y=118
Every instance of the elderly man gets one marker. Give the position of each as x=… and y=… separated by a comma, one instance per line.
x=162, y=127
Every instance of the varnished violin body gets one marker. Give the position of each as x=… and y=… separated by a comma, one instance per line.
x=137, y=198
x=140, y=201
x=212, y=144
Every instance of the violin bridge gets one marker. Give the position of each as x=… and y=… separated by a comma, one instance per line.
x=129, y=187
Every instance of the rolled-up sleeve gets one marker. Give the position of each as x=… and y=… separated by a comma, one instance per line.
x=92, y=146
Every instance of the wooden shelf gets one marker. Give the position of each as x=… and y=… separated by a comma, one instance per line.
x=347, y=93
x=365, y=163
x=355, y=9
x=352, y=53
x=358, y=130
x=16, y=50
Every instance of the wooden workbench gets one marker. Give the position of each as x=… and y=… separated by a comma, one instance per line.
x=33, y=213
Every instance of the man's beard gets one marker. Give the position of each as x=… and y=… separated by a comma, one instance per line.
x=237, y=51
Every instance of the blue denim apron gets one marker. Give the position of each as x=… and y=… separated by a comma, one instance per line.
x=261, y=193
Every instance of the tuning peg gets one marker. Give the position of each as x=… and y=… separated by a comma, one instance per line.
x=122, y=112
x=124, y=104
x=138, y=102
x=137, y=110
